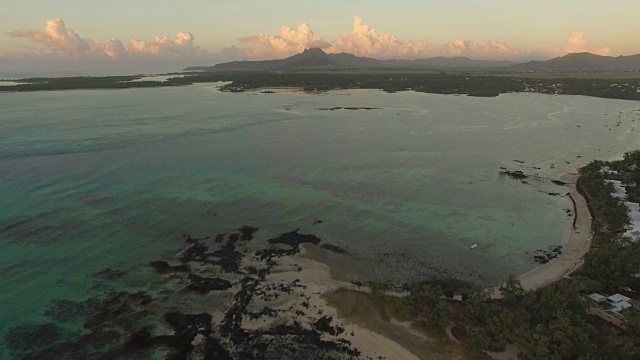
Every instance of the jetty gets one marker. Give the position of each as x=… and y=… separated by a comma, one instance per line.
x=520, y=175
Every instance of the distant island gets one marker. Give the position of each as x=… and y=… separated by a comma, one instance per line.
x=314, y=70
x=317, y=58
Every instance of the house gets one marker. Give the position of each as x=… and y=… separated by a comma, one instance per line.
x=610, y=308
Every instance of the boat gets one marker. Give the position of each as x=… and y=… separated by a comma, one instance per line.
x=553, y=166
x=579, y=125
x=578, y=156
x=503, y=169
x=474, y=246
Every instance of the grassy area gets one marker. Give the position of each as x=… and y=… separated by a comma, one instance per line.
x=376, y=313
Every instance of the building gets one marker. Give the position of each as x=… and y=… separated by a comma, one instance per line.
x=611, y=308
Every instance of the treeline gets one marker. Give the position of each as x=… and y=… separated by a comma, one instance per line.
x=604, y=88
x=614, y=259
x=437, y=83
x=389, y=81
x=551, y=323
x=83, y=82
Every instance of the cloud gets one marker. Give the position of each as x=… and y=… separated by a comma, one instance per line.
x=493, y=49
x=365, y=41
x=288, y=41
x=577, y=43
x=181, y=46
x=59, y=42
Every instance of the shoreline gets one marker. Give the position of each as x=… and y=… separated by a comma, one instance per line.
x=576, y=244
x=317, y=279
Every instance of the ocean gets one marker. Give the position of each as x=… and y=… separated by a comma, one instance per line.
x=110, y=180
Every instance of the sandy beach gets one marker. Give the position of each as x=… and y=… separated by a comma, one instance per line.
x=316, y=277
x=577, y=243
x=308, y=300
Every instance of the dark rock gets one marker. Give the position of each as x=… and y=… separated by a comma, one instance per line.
x=31, y=337
x=229, y=259
x=98, y=343
x=164, y=268
x=294, y=239
x=231, y=325
x=247, y=232
x=196, y=252
x=141, y=339
x=334, y=248
x=117, y=305
x=215, y=351
x=203, y=285
x=265, y=312
x=110, y=274
x=186, y=327
x=67, y=310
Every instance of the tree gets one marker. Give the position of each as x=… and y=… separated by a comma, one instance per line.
x=512, y=289
x=428, y=302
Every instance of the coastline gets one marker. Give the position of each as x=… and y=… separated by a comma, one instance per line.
x=576, y=244
x=317, y=280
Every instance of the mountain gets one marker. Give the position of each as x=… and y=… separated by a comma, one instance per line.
x=314, y=58
x=582, y=62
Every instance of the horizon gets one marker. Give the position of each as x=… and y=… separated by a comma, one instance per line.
x=71, y=34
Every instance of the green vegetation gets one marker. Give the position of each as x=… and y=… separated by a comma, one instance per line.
x=389, y=80
x=375, y=311
x=550, y=323
x=83, y=82
x=438, y=83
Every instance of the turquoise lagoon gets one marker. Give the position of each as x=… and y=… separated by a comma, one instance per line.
x=95, y=180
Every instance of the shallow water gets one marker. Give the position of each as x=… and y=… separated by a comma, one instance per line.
x=112, y=179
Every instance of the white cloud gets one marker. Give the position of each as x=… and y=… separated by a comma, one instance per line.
x=60, y=43
x=288, y=41
x=365, y=41
x=59, y=40
x=181, y=46
x=56, y=41
x=577, y=43
x=493, y=49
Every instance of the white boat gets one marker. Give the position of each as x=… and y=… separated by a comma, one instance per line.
x=474, y=246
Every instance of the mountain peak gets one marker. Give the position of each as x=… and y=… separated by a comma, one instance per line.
x=314, y=52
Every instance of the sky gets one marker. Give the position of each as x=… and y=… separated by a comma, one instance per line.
x=198, y=32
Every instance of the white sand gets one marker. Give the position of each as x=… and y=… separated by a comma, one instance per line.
x=576, y=247
x=316, y=279
x=306, y=305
